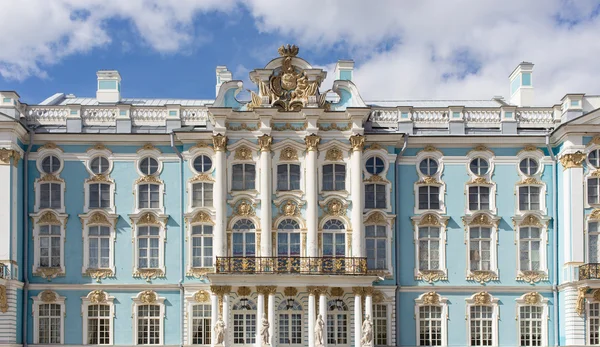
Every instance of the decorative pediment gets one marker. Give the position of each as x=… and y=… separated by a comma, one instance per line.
x=202, y=217
x=243, y=153
x=290, y=87
x=148, y=218
x=482, y=220
x=288, y=153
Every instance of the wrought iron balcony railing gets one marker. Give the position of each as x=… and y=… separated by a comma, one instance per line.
x=589, y=271
x=292, y=265
x=4, y=271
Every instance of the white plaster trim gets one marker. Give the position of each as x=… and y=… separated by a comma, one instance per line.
x=544, y=320
x=543, y=240
x=443, y=303
x=495, y=316
x=137, y=302
x=112, y=218
x=85, y=304
x=62, y=218
x=162, y=235
x=37, y=301
x=442, y=220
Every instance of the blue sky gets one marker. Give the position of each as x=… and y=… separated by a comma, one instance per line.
x=403, y=50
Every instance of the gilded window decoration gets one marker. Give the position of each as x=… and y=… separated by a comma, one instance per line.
x=243, y=153
x=334, y=154
x=288, y=154
x=572, y=160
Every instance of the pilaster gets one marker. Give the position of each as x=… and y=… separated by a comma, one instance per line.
x=220, y=195
x=266, y=248
x=357, y=195
x=312, y=216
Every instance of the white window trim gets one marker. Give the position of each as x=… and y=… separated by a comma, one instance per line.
x=347, y=232
x=531, y=180
x=483, y=299
x=156, y=220
x=254, y=159
x=590, y=218
x=99, y=151
x=201, y=217
x=538, y=184
x=381, y=178
x=199, y=177
x=433, y=180
x=149, y=151
x=432, y=299
x=278, y=159
x=97, y=297
x=589, y=299
x=161, y=193
x=538, y=221
x=431, y=220
x=98, y=218
x=202, y=178
x=533, y=299
x=47, y=178
x=590, y=174
x=43, y=298
x=487, y=221
x=481, y=180
x=380, y=219
x=48, y=217
x=322, y=160
x=148, y=297
x=303, y=316
x=201, y=297
x=104, y=179
x=300, y=231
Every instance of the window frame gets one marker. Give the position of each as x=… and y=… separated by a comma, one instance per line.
x=143, y=298
x=149, y=219
x=487, y=300
x=336, y=153
x=534, y=220
x=336, y=313
x=435, y=180
x=289, y=232
x=430, y=220
x=97, y=297
x=343, y=231
x=50, y=218
x=536, y=300
x=590, y=219
x=200, y=297
x=247, y=153
x=432, y=299
x=244, y=232
x=481, y=152
x=204, y=192
x=375, y=196
x=289, y=312
x=482, y=220
x=201, y=219
x=334, y=174
x=288, y=172
x=43, y=152
x=98, y=219
x=253, y=310
x=48, y=297
x=589, y=302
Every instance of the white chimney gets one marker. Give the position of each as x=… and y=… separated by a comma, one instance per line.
x=223, y=75
x=521, y=85
x=109, y=86
x=344, y=69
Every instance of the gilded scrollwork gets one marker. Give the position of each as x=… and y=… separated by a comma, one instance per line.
x=431, y=298
x=290, y=126
x=202, y=217
x=7, y=154
x=482, y=276
x=264, y=142
x=288, y=153
x=376, y=218
x=334, y=154
x=482, y=298
x=532, y=276
x=532, y=298
x=201, y=296
x=243, y=153
x=219, y=142
x=203, y=177
x=357, y=142
x=290, y=291
x=97, y=296
x=149, y=274
x=242, y=126
x=312, y=141
x=431, y=276
x=99, y=274
x=148, y=179
x=580, y=305
x=572, y=160
x=148, y=297
x=335, y=126
x=3, y=299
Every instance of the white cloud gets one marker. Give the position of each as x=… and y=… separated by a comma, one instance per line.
x=461, y=49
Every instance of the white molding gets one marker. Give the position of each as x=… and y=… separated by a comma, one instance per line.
x=86, y=303
x=389, y=232
x=475, y=288
x=442, y=221
x=189, y=238
x=37, y=301
x=443, y=303
x=543, y=302
x=136, y=301
x=162, y=235
x=493, y=242
x=517, y=220
x=112, y=219
x=62, y=218
x=437, y=177
x=495, y=316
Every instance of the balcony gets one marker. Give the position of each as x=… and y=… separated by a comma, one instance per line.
x=589, y=271
x=292, y=265
x=4, y=271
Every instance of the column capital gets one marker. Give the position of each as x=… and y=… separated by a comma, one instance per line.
x=572, y=160
x=358, y=290
x=264, y=142
x=220, y=290
x=6, y=154
x=312, y=141
x=357, y=142
x=317, y=290
x=266, y=290
x=369, y=291
x=219, y=142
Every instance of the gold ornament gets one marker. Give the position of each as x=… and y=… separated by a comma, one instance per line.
x=148, y=147
x=288, y=153
x=289, y=209
x=595, y=215
x=99, y=274
x=431, y=276
x=98, y=218
x=482, y=298
x=335, y=207
x=48, y=218
x=203, y=177
x=334, y=154
x=430, y=220
x=532, y=298
x=50, y=145
x=242, y=126
x=264, y=142
x=97, y=297
x=482, y=276
x=312, y=141
x=337, y=291
x=431, y=298
x=202, y=217
x=48, y=296
x=148, y=297
x=219, y=142
x=532, y=276
x=376, y=218
x=580, y=306
x=357, y=142
x=7, y=154
x=148, y=179
x=290, y=126
x=572, y=160
x=266, y=290
x=290, y=291
x=335, y=126
x=244, y=208
x=244, y=291
x=3, y=299
x=201, y=296
x=243, y=153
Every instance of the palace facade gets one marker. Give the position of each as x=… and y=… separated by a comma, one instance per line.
x=239, y=220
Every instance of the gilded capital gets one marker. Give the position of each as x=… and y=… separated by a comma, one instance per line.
x=266, y=290
x=7, y=154
x=320, y=290
x=220, y=290
x=219, y=142
x=312, y=141
x=357, y=142
x=572, y=160
x=265, y=142
x=358, y=290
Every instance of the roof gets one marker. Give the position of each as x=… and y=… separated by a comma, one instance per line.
x=61, y=99
x=435, y=103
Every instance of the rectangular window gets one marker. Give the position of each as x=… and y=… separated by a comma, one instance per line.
x=380, y=320
x=98, y=325
x=480, y=253
x=334, y=244
x=288, y=177
x=149, y=196
x=50, y=246
x=99, y=195
x=202, y=195
x=530, y=325
x=337, y=329
x=376, y=247
x=479, y=198
x=594, y=323
x=148, y=325
x=593, y=243
x=429, y=198
x=334, y=177
x=529, y=198
x=375, y=196
x=201, y=325
x=429, y=248
x=99, y=247
x=50, y=195
x=202, y=246
x=244, y=177
x=244, y=329
x=529, y=248
x=148, y=247
x=290, y=328
x=49, y=324
x=481, y=325
x=244, y=244
x=430, y=326
x=593, y=190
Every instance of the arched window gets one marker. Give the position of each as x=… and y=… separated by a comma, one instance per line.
x=334, y=239
x=288, y=239
x=337, y=322
x=290, y=322
x=243, y=239
x=244, y=322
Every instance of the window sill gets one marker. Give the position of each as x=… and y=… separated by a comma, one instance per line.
x=431, y=276
x=482, y=276
x=532, y=277
x=99, y=274
x=49, y=272
x=198, y=272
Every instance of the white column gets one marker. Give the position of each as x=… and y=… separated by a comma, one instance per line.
x=8, y=204
x=312, y=216
x=214, y=316
x=572, y=217
x=312, y=317
x=265, y=195
x=357, y=317
x=323, y=311
x=220, y=195
x=369, y=301
x=260, y=310
x=272, y=319
x=226, y=319
x=575, y=324
x=356, y=192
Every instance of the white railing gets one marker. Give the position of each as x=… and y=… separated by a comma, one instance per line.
x=155, y=116
x=98, y=116
x=482, y=117
x=194, y=116
x=47, y=115
x=385, y=118
x=424, y=116
x=536, y=117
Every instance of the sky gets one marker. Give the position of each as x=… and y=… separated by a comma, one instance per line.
x=403, y=50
